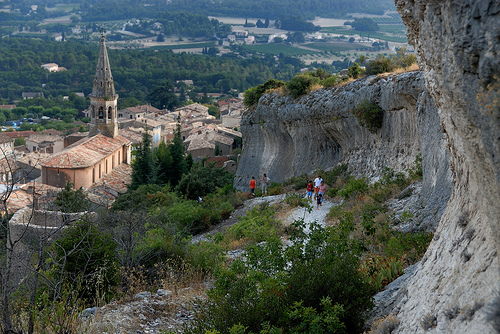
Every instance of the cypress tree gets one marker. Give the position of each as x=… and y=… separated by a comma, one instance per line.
x=143, y=169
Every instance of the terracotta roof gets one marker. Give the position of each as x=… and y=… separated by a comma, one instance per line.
x=105, y=190
x=143, y=108
x=23, y=196
x=5, y=139
x=35, y=158
x=17, y=134
x=36, y=138
x=86, y=152
x=7, y=106
x=52, y=132
x=135, y=137
x=117, y=180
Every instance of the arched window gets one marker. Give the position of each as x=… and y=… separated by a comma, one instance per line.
x=101, y=113
x=109, y=112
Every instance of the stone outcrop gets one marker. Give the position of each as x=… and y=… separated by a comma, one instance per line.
x=288, y=137
x=457, y=45
x=452, y=107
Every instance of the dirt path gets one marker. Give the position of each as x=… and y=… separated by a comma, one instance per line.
x=240, y=212
x=286, y=218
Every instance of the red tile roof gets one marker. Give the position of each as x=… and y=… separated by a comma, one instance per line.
x=86, y=152
x=16, y=134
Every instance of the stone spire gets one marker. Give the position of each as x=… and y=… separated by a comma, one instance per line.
x=103, y=100
x=103, y=81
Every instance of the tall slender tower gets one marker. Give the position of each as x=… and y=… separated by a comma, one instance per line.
x=103, y=100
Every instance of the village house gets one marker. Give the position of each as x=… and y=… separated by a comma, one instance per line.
x=44, y=143
x=137, y=112
x=7, y=106
x=6, y=145
x=204, y=141
x=51, y=67
x=29, y=95
x=91, y=158
x=16, y=134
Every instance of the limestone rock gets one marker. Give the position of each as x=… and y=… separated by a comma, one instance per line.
x=457, y=45
x=286, y=137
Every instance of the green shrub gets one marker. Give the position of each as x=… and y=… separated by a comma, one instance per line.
x=408, y=246
x=354, y=187
x=379, y=270
x=206, y=255
x=331, y=176
x=330, y=81
x=300, y=84
x=381, y=195
x=274, y=189
x=416, y=172
x=201, y=181
x=284, y=287
x=295, y=200
x=380, y=65
x=369, y=115
x=83, y=252
x=355, y=71
x=159, y=244
x=253, y=94
x=332, y=192
x=368, y=213
x=257, y=225
x=186, y=216
x=298, y=182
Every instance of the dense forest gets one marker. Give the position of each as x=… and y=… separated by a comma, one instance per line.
x=94, y=10
x=135, y=71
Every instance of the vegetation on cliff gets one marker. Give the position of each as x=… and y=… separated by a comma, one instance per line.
x=304, y=83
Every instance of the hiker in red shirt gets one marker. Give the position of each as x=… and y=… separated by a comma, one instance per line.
x=310, y=190
x=252, y=186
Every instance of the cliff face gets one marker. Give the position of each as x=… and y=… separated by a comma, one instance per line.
x=457, y=44
x=450, y=114
x=286, y=137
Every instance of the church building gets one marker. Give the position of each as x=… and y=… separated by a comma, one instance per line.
x=89, y=159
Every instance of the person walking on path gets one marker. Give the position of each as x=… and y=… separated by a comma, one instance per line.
x=252, y=186
x=317, y=183
x=319, y=200
x=321, y=191
x=265, y=180
x=310, y=188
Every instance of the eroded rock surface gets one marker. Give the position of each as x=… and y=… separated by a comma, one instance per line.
x=457, y=44
x=286, y=137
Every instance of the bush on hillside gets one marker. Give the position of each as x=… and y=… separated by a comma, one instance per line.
x=268, y=284
x=300, y=84
x=369, y=115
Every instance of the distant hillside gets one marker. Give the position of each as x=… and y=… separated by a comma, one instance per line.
x=94, y=10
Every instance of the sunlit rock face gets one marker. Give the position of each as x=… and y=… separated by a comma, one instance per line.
x=457, y=45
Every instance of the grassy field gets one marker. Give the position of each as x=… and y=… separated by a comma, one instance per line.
x=277, y=49
x=333, y=47
x=184, y=46
x=393, y=28
x=68, y=7
x=377, y=35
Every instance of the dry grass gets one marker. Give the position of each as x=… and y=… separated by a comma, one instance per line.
x=314, y=87
x=278, y=90
x=384, y=325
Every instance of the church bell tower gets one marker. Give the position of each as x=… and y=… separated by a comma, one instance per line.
x=103, y=100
